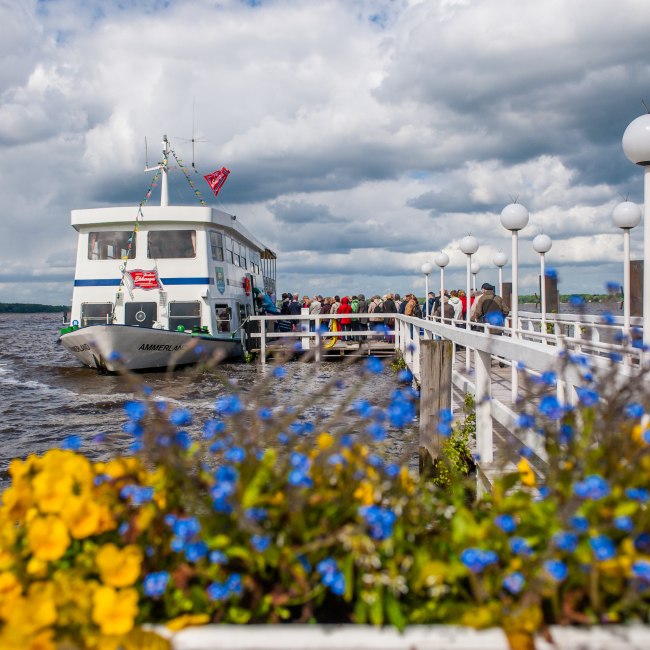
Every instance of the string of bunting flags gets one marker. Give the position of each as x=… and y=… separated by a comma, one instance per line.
x=139, y=217
x=215, y=180
x=179, y=162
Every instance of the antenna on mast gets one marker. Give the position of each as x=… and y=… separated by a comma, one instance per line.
x=647, y=110
x=193, y=139
x=146, y=153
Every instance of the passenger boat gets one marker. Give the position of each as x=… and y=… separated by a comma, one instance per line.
x=161, y=286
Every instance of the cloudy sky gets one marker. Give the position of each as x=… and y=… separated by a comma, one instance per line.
x=363, y=136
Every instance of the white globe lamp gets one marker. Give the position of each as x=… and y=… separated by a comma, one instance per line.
x=441, y=260
x=514, y=217
x=469, y=246
x=636, y=145
x=500, y=260
x=426, y=268
x=627, y=215
x=542, y=244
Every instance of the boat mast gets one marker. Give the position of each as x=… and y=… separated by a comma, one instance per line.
x=164, y=192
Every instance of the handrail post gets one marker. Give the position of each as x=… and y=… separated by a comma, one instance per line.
x=263, y=340
x=319, y=340
x=304, y=327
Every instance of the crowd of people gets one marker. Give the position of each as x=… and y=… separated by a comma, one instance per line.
x=360, y=314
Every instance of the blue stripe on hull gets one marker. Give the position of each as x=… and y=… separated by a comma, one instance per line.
x=114, y=282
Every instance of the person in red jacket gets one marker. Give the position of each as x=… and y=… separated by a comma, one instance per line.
x=346, y=321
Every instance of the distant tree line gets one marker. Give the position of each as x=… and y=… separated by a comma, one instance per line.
x=29, y=308
x=587, y=297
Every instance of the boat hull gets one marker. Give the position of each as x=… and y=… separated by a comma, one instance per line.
x=112, y=348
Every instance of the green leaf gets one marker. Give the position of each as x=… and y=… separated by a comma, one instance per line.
x=360, y=612
x=377, y=609
x=259, y=480
x=348, y=573
x=394, y=611
x=238, y=615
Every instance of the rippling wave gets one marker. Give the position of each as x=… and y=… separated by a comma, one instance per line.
x=46, y=395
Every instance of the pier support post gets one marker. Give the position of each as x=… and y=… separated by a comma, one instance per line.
x=435, y=395
x=482, y=398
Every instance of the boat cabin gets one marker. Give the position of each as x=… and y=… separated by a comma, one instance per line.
x=177, y=268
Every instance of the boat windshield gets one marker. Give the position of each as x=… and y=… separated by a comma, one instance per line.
x=165, y=244
x=111, y=245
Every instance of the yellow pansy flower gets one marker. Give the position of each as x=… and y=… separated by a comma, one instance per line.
x=325, y=440
x=52, y=490
x=365, y=493
x=41, y=608
x=526, y=474
x=71, y=464
x=119, y=568
x=36, y=568
x=115, y=610
x=48, y=538
x=16, y=500
x=84, y=517
x=7, y=540
x=406, y=480
x=637, y=433
x=10, y=591
x=186, y=620
x=44, y=640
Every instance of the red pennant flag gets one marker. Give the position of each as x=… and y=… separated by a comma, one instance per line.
x=216, y=179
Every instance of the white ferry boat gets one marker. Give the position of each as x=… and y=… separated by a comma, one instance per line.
x=163, y=286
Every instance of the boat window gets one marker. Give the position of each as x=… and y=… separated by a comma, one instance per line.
x=256, y=262
x=224, y=314
x=230, y=256
x=187, y=314
x=140, y=314
x=216, y=244
x=242, y=256
x=96, y=313
x=165, y=244
x=111, y=245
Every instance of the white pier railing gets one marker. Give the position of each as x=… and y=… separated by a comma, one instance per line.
x=529, y=351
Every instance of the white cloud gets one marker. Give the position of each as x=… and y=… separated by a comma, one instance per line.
x=362, y=135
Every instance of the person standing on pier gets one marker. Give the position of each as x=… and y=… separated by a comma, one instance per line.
x=455, y=302
x=363, y=309
x=433, y=302
x=389, y=308
x=489, y=308
x=295, y=306
x=375, y=307
x=449, y=310
x=346, y=321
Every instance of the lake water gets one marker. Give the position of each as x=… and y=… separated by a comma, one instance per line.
x=46, y=395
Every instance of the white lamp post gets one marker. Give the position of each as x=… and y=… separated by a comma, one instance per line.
x=469, y=246
x=426, y=269
x=500, y=260
x=476, y=268
x=636, y=145
x=542, y=245
x=514, y=217
x=441, y=260
x=626, y=216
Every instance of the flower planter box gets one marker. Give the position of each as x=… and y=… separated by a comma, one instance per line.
x=359, y=637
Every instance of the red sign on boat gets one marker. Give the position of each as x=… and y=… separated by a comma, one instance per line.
x=141, y=279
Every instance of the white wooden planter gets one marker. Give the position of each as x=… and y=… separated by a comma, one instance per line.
x=360, y=637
